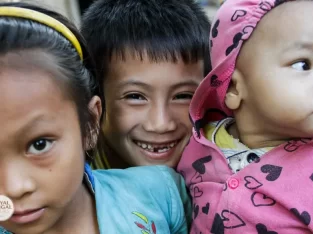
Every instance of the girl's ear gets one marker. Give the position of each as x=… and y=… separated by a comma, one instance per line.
x=95, y=108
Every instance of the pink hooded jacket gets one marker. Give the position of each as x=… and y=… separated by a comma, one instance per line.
x=271, y=195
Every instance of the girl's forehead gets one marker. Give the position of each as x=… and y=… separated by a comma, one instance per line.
x=35, y=61
x=20, y=87
x=29, y=59
x=28, y=99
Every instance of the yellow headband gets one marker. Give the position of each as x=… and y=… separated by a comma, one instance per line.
x=43, y=19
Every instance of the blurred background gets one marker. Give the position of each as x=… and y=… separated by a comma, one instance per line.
x=74, y=8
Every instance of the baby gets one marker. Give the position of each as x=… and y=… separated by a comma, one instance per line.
x=249, y=162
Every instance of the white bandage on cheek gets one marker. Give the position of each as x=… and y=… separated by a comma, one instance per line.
x=6, y=208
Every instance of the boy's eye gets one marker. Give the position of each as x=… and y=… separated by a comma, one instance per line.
x=134, y=96
x=301, y=65
x=40, y=146
x=183, y=96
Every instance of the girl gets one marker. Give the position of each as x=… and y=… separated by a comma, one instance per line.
x=49, y=117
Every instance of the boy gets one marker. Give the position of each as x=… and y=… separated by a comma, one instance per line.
x=156, y=54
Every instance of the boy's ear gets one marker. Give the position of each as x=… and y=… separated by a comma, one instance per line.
x=95, y=108
x=235, y=91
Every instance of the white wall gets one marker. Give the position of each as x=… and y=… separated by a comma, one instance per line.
x=69, y=8
x=210, y=11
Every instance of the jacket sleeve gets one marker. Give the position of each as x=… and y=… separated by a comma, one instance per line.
x=180, y=212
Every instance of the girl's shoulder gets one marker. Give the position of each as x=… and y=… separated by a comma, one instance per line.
x=142, y=172
x=162, y=180
x=3, y=231
x=155, y=193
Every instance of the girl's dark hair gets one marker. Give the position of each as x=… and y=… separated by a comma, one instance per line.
x=18, y=34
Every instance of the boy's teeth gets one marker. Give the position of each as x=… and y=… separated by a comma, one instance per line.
x=163, y=150
x=158, y=149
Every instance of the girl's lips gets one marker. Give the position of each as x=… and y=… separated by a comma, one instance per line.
x=23, y=217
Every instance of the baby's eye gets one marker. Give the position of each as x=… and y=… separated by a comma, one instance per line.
x=40, y=146
x=301, y=65
x=183, y=96
x=134, y=96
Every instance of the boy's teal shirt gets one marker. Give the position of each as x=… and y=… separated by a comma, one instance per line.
x=143, y=200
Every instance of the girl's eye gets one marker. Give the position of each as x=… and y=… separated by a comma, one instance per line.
x=40, y=146
x=301, y=65
x=183, y=96
x=135, y=96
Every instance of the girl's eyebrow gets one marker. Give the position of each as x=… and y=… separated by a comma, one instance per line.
x=33, y=122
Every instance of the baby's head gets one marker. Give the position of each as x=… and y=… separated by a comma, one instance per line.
x=151, y=55
x=262, y=56
x=48, y=114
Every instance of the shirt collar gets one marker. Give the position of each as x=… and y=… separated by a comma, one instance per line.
x=89, y=179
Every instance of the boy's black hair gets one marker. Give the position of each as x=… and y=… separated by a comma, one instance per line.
x=164, y=30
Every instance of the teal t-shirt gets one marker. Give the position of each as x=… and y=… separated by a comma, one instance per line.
x=143, y=200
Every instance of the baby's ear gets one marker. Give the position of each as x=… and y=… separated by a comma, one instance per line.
x=235, y=91
x=95, y=108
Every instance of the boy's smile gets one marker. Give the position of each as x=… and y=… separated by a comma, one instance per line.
x=157, y=151
x=146, y=118
x=156, y=147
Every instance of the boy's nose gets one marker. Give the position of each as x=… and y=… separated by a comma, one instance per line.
x=159, y=120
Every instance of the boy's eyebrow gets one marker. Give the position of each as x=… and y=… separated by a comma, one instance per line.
x=186, y=83
x=133, y=82
x=139, y=83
